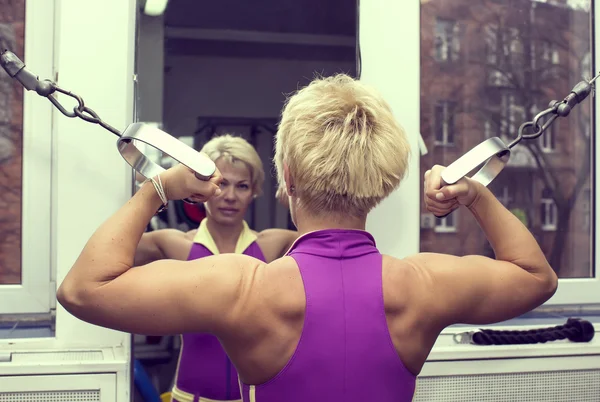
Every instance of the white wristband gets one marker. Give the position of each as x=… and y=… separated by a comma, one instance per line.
x=157, y=183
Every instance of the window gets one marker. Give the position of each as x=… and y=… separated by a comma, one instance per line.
x=444, y=123
x=513, y=115
x=504, y=197
x=586, y=201
x=547, y=142
x=548, y=211
x=26, y=279
x=586, y=65
x=513, y=46
x=549, y=53
x=446, y=224
x=447, y=40
x=491, y=42
x=487, y=129
x=508, y=43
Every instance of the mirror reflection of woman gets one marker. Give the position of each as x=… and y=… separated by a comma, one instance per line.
x=203, y=369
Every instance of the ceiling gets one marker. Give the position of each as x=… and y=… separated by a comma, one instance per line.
x=319, y=17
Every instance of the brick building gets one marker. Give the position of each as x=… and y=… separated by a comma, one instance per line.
x=486, y=67
x=12, y=25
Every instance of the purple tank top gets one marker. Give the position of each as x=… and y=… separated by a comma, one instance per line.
x=345, y=352
x=204, y=368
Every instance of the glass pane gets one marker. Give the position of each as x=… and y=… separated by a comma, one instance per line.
x=12, y=30
x=501, y=63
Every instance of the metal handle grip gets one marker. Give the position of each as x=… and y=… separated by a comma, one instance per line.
x=492, y=153
x=198, y=162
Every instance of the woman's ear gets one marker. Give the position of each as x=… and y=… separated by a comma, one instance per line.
x=289, y=181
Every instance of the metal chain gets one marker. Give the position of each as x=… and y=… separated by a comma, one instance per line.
x=15, y=68
x=555, y=110
x=81, y=111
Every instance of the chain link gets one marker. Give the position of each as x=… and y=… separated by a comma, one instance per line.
x=555, y=110
x=81, y=111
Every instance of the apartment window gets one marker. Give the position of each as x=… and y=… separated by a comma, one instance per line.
x=513, y=115
x=505, y=197
x=487, y=129
x=447, y=40
x=586, y=202
x=586, y=65
x=497, y=78
x=491, y=43
x=446, y=224
x=548, y=213
x=547, y=140
x=444, y=123
x=549, y=53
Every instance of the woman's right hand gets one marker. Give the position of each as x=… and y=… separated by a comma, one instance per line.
x=180, y=182
x=441, y=199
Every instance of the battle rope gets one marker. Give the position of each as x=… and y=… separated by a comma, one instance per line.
x=575, y=330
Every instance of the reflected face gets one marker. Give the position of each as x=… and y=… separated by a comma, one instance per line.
x=230, y=206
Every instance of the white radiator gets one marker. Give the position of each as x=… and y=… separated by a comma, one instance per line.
x=59, y=388
x=551, y=386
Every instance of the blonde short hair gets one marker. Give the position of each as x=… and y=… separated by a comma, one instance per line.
x=236, y=149
x=344, y=148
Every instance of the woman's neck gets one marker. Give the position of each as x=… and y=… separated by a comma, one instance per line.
x=307, y=222
x=225, y=236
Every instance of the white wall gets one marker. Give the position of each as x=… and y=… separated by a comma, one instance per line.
x=90, y=178
x=389, y=40
x=232, y=87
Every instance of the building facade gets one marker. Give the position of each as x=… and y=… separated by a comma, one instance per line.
x=488, y=66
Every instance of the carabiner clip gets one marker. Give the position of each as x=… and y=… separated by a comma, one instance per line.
x=464, y=338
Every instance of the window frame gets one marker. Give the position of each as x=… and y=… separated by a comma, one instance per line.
x=37, y=290
x=548, y=140
x=442, y=226
x=449, y=46
x=548, y=223
x=446, y=126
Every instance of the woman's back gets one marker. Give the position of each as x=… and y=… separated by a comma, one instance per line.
x=343, y=339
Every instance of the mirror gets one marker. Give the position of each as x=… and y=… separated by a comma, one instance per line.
x=210, y=68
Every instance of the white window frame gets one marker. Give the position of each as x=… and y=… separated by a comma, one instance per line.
x=550, y=214
x=546, y=141
x=586, y=208
x=549, y=53
x=491, y=41
x=487, y=129
x=72, y=196
x=513, y=115
x=443, y=226
x=37, y=289
x=444, y=125
x=449, y=42
x=505, y=198
x=381, y=64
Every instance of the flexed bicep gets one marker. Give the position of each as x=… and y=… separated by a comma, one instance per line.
x=477, y=290
x=169, y=297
